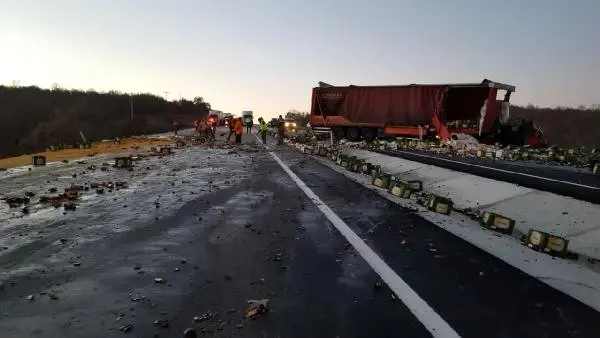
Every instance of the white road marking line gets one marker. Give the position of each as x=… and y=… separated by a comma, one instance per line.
x=424, y=313
x=502, y=170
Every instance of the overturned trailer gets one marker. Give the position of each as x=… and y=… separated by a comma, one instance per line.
x=422, y=110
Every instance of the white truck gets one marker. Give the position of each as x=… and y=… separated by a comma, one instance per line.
x=247, y=117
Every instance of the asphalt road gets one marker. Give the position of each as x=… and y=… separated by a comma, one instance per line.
x=576, y=183
x=224, y=226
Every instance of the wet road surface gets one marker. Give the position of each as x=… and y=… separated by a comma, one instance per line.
x=220, y=227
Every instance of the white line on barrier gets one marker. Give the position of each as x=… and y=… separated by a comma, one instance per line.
x=432, y=321
x=502, y=170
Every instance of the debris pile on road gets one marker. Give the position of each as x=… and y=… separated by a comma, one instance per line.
x=257, y=307
x=468, y=146
x=575, y=157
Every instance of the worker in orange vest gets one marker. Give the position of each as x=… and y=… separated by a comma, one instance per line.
x=239, y=130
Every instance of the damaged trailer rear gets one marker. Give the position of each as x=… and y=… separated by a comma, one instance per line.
x=436, y=110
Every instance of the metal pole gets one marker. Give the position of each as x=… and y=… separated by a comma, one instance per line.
x=131, y=106
x=166, y=96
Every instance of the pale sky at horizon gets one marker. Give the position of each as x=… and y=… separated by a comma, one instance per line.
x=266, y=55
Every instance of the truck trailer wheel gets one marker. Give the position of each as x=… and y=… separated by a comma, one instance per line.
x=339, y=133
x=353, y=134
x=368, y=134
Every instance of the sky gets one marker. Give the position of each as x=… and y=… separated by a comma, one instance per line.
x=266, y=55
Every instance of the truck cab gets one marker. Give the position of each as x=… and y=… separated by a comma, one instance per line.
x=213, y=118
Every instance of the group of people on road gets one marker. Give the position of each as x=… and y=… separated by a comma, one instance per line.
x=263, y=130
x=204, y=129
x=236, y=127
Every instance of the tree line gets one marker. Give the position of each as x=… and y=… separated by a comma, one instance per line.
x=32, y=119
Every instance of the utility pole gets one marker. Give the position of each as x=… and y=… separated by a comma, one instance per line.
x=166, y=96
x=131, y=105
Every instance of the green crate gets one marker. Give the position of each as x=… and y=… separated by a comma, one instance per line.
x=556, y=246
x=440, y=204
x=348, y=162
x=123, y=162
x=399, y=189
x=356, y=165
x=415, y=185
x=322, y=151
x=394, y=181
x=333, y=156
x=381, y=180
x=497, y=222
x=536, y=239
x=375, y=171
x=38, y=160
x=367, y=168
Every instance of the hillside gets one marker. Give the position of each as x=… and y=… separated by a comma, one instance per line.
x=31, y=119
x=565, y=127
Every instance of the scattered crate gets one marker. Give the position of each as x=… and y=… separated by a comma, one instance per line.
x=381, y=180
x=497, y=222
x=548, y=243
x=356, y=165
x=439, y=204
x=367, y=168
x=123, y=162
x=397, y=188
x=38, y=160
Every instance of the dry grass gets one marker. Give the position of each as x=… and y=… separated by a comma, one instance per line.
x=98, y=148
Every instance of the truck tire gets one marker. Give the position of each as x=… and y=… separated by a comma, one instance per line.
x=353, y=134
x=339, y=133
x=368, y=134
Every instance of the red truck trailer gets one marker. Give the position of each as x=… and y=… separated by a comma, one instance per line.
x=426, y=111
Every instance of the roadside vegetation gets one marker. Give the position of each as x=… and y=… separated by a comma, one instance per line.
x=33, y=119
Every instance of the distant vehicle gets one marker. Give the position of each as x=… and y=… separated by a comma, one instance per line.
x=274, y=123
x=215, y=118
x=422, y=110
x=247, y=117
x=290, y=125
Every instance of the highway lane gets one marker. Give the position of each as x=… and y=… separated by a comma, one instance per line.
x=475, y=293
x=253, y=233
x=579, y=184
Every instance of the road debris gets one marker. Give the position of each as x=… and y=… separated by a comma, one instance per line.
x=257, y=307
x=159, y=281
x=162, y=323
x=205, y=316
x=190, y=333
x=126, y=328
